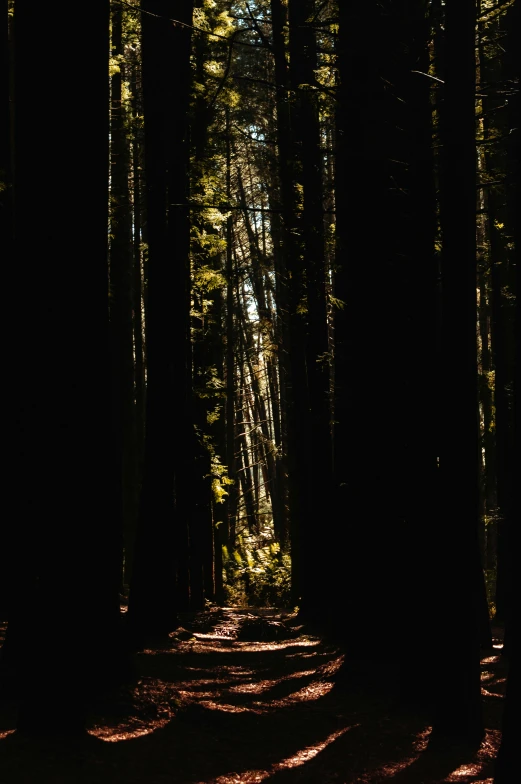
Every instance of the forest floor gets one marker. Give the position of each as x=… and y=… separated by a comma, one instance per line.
x=243, y=696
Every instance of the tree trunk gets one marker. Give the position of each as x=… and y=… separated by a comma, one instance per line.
x=162, y=533
x=307, y=132
x=231, y=504
x=6, y=232
x=120, y=281
x=372, y=283
x=68, y=569
x=460, y=592
x=290, y=283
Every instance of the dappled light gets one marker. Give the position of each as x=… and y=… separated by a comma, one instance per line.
x=266, y=711
x=143, y=709
x=261, y=686
x=485, y=755
x=391, y=770
x=297, y=760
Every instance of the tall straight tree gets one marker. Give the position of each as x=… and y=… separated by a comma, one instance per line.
x=121, y=258
x=505, y=251
x=309, y=163
x=162, y=534
x=418, y=225
x=458, y=683
x=289, y=296
x=6, y=231
x=68, y=552
x=370, y=289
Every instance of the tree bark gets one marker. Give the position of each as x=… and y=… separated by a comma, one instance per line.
x=160, y=574
x=309, y=162
x=69, y=567
x=121, y=300
x=458, y=684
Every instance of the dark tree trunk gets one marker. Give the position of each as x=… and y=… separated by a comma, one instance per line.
x=290, y=283
x=138, y=299
x=162, y=534
x=460, y=591
x=373, y=286
x=228, y=535
x=505, y=326
x=6, y=232
x=278, y=373
x=120, y=281
x=204, y=345
x=309, y=155
x=68, y=558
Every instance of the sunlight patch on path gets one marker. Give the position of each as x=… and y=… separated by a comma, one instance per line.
x=302, y=757
x=312, y=692
x=261, y=686
x=108, y=735
x=487, y=752
x=150, y=705
x=204, y=644
x=223, y=707
x=392, y=769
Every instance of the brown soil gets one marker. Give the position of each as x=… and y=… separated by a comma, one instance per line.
x=237, y=697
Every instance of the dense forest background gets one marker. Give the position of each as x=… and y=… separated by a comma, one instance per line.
x=262, y=333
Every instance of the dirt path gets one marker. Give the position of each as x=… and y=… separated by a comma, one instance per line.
x=235, y=698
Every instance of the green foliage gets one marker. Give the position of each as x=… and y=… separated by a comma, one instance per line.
x=206, y=278
x=220, y=478
x=257, y=577
x=490, y=584
x=337, y=303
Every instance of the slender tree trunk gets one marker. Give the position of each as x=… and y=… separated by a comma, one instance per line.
x=230, y=356
x=6, y=232
x=487, y=402
x=120, y=281
x=458, y=684
x=291, y=291
x=280, y=371
x=505, y=253
x=139, y=322
x=306, y=129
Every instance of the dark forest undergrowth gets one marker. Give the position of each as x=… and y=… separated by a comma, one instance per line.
x=238, y=696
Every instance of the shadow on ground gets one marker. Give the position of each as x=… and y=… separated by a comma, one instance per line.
x=211, y=707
